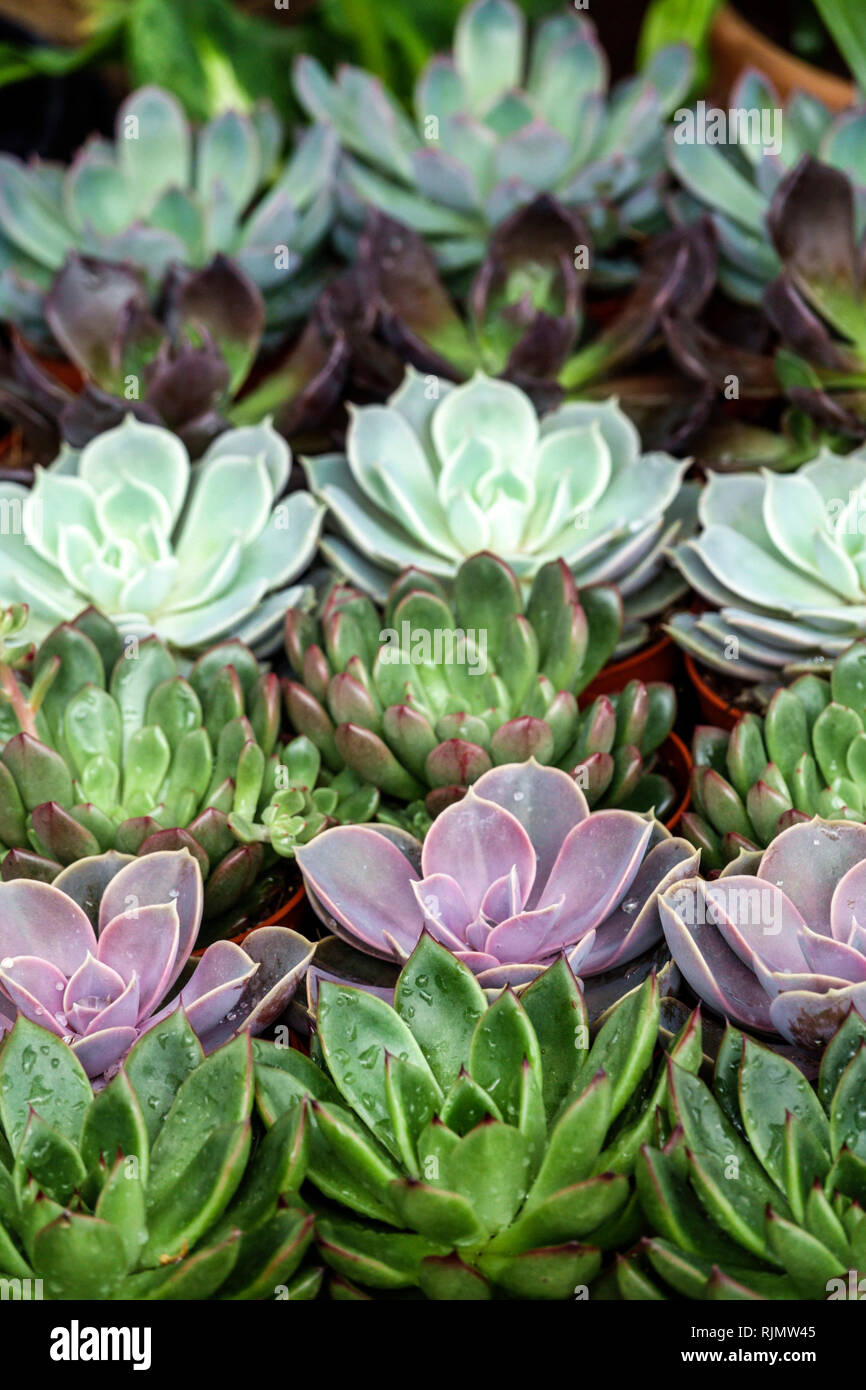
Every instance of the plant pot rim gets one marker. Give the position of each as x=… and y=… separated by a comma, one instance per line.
x=282, y=917
x=727, y=715
x=684, y=757
x=736, y=44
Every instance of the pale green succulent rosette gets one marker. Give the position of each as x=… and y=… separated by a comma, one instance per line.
x=781, y=563
x=161, y=194
x=193, y=553
x=735, y=181
x=497, y=122
x=442, y=472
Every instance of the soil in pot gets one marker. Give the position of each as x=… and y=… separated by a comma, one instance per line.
x=277, y=899
x=674, y=761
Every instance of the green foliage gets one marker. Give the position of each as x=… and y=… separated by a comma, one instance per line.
x=161, y=1186
x=467, y=1149
x=759, y=1191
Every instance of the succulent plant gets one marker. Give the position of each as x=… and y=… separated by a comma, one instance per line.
x=420, y=699
x=524, y=307
x=161, y=1186
x=106, y=748
x=780, y=563
x=178, y=368
x=475, y=1150
x=195, y=555
x=735, y=181
x=93, y=956
x=804, y=758
x=759, y=1191
x=775, y=943
x=159, y=195
x=525, y=315
x=516, y=873
x=442, y=472
x=818, y=303
x=482, y=145
x=308, y=800
x=182, y=367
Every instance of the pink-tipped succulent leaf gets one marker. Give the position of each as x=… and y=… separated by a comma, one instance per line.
x=516, y=873
x=781, y=946
x=92, y=957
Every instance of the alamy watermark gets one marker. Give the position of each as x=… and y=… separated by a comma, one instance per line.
x=738, y=125
x=758, y=906
x=441, y=646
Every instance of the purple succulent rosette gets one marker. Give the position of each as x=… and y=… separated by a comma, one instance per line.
x=92, y=957
x=778, y=942
x=515, y=874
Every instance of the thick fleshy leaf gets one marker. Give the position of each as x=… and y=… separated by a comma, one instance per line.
x=338, y=865
x=475, y=842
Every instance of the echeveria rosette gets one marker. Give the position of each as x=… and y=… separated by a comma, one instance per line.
x=736, y=181
x=483, y=144
x=194, y=554
x=441, y=472
x=525, y=308
x=780, y=562
x=160, y=194
x=160, y=1184
x=93, y=956
x=103, y=747
x=515, y=874
x=777, y=943
x=421, y=699
x=182, y=365
x=805, y=757
x=817, y=303
x=791, y=1226
x=179, y=366
x=495, y=1158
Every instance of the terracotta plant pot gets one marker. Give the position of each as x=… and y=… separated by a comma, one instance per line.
x=714, y=709
x=736, y=45
x=656, y=662
x=675, y=761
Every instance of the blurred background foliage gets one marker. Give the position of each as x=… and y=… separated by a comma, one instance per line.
x=216, y=54
x=68, y=62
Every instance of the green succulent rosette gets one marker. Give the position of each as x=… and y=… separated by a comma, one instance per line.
x=759, y=1191
x=466, y=1150
x=421, y=698
x=161, y=194
x=162, y=1186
